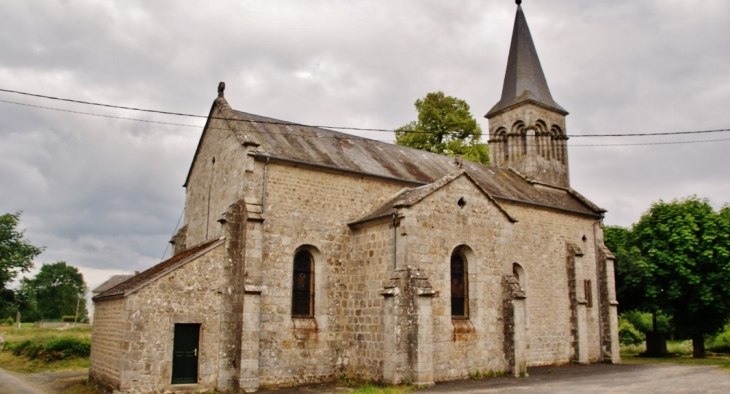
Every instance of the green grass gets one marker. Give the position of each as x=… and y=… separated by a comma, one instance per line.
x=83, y=388
x=28, y=332
x=375, y=389
x=681, y=352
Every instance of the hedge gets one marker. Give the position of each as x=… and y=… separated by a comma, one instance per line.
x=51, y=349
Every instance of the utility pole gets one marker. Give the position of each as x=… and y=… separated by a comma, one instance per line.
x=17, y=319
x=76, y=318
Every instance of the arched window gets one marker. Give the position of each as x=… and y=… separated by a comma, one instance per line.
x=520, y=140
x=459, y=286
x=519, y=273
x=506, y=148
x=302, y=296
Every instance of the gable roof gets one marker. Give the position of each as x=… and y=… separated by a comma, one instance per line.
x=524, y=79
x=410, y=197
x=145, y=277
x=111, y=282
x=328, y=149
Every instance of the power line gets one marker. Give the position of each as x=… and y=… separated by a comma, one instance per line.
x=314, y=126
x=173, y=234
x=99, y=115
x=651, y=134
x=343, y=137
x=658, y=143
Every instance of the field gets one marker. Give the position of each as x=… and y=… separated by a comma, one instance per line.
x=50, y=360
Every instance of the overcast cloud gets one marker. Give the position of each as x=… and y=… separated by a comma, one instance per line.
x=105, y=194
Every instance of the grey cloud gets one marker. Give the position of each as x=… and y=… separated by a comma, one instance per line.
x=105, y=194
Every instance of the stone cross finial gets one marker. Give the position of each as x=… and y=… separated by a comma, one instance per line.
x=221, y=88
x=459, y=161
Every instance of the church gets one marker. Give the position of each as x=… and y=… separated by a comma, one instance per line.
x=308, y=254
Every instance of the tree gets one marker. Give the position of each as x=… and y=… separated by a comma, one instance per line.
x=686, y=246
x=444, y=126
x=57, y=290
x=631, y=270
x=16, y=256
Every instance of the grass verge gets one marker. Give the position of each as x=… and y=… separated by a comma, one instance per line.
x=40, y=336
x=83, y=388
x=681, y=352
x=376, y=389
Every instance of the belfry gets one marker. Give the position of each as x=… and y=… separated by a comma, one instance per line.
x=526, y=126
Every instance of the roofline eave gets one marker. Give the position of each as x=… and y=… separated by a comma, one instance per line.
x=494, y=112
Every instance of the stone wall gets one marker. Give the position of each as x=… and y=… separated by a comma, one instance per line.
x=429, y=233
x=105, y=361
x=310, y=208
x=536, y=143
x=370, y=270
x=216, y=180
x=189, y=294
x=539, y=246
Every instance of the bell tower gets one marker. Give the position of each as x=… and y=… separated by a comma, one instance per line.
x=526, y=126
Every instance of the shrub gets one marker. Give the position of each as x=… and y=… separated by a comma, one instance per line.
x=10, y=321
x=51, y=349
x=68, y=318
x=721, y=343
x=628, y=334
x=642, y=321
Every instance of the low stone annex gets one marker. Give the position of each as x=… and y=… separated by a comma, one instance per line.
x=308, y=254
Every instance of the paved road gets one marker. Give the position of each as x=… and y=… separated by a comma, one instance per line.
x=601, y=378
x=572, y=379
x=9, y=384
x=597, y=378
x=39, y=383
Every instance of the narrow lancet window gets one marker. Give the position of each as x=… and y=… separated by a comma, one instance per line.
x=303, y=287
x=459, y=286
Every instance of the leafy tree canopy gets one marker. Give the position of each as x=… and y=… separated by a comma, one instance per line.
x=685, y=265
x=444, y=126
x=56, y=291
x=631, y=269
x=16, y=253
x=16, y=256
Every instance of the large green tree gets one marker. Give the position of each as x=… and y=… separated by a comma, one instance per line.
x=444, y=126
x=16, y=256
x=631, y=270
x=685, y=245
x=56, y=291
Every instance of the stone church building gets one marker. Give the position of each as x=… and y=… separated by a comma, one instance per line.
x=308, y=254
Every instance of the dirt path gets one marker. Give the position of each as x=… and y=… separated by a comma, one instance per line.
x=39, y=383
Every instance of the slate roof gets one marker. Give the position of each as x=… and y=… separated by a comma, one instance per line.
x=111, y=282
x=144, y=277
x=524, y=80
x=410, y=197
x=340, y=150
x=281, y=140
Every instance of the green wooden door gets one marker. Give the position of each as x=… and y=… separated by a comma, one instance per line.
x=185, y=354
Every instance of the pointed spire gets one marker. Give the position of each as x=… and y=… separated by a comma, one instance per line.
x=524, y=79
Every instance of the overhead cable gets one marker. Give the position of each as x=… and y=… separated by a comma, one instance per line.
x=304, y=125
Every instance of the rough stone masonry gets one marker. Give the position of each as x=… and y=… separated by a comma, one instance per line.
x=309, y=254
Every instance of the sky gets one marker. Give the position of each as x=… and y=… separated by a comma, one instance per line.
x=105, y=194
